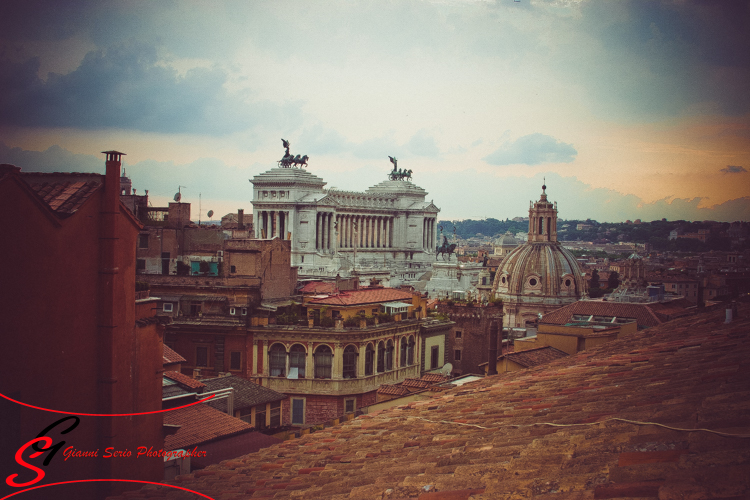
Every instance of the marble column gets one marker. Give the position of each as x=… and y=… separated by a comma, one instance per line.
x=318, y=232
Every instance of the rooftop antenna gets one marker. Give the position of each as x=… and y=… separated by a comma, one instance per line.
x=199, y=209
x=178, y=195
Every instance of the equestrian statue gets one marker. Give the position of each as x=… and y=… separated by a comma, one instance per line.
x=445, y=249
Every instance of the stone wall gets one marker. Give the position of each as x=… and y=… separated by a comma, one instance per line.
x=473, y=323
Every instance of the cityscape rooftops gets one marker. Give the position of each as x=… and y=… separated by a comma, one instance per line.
x=658, y=413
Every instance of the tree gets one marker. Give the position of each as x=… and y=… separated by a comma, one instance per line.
x=613, y=281
x=594, y=283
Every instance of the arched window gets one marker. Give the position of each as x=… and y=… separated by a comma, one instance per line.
x=369, y=359
x=403, y=349
x=389, y=356
x=350, y=362
x=323, y=362
x=410, y=351
x=298, y=360
x=277, y=360
x=381, y=357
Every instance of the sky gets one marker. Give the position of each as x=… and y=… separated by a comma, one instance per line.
x=626, y=109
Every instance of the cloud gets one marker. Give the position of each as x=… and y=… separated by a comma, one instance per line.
x=734, y=169
x=54, y=159
x=422, y=144
x=532, y=149
x=127, y=87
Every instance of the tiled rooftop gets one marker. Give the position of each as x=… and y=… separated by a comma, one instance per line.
x=170, y=356
x=364, y=296
x=646, y=315
x=184, y=380
x=246, y=393
x=534, y=357
x=64, y=193
x=393, y=390
x=613, y=421
x=199, y=424
x=317, y=287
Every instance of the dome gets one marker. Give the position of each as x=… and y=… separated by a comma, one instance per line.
x=507, y=240
x=539, y=269
x=540, y=275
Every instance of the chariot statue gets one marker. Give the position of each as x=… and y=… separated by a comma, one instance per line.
x=289, y=160
x=398, y=174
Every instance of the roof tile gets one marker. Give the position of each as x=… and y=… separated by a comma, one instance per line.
x=549, y=431
x=364, y=296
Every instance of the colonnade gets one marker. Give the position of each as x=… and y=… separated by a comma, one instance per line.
x=324, y=230
x=272, y=224
x=429, y=238
x=365, y=231
x=362, y=231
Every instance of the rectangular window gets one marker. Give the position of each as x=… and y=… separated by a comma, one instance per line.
x=298, y=411
x=246, y=415
x=168, y=307
x=233, y=269
x=244, y=311
x=260, y=417
x=297, y=359
x=276, y=414
x=201, y=356
x=235, y=360
x=457, y=356
x=140, y=264
x=323, y=364
x=458, y=334
x=232, y=311
x=434, y=357
x=143, y=241
x=350, y=405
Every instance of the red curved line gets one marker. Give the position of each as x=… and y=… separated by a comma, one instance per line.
x=101, y=480
x=106, y=414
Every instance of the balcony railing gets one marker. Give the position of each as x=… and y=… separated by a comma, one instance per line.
x=340, y=387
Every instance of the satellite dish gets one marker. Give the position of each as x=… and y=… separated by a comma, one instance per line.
x=210, y=213
x=446, y=369
x=177, y=197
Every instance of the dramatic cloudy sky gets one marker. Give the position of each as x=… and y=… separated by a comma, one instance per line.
x=629, y=109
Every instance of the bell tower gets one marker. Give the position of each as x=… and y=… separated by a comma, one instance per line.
x=542, y=220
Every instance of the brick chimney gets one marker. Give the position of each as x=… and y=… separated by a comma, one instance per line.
x=240, y=218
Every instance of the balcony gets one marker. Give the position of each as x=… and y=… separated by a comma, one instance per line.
x=340, y=387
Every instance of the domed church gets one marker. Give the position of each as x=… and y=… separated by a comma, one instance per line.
x=540, y=275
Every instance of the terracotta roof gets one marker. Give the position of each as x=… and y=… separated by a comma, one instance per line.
x=434, y=378
x=200, y=424
x=246, y=393
x=394, y=390
x=317, y=287
x=364, y=296
x=64, y=193
x=415, y=382
x=613, y=421
x=170, y=356
x=188, y=382
x=642, y=313
x=535, y=356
